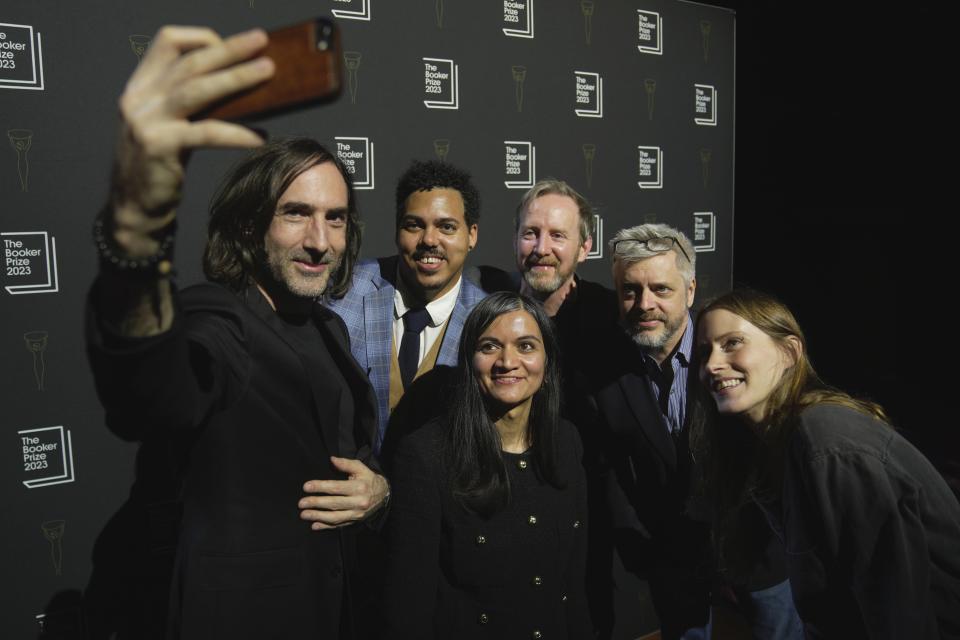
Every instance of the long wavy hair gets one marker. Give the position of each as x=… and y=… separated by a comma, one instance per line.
x=472, y=450
x=246, y=201
x=740, y=465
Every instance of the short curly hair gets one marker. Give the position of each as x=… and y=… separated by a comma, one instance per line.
x=433, y=174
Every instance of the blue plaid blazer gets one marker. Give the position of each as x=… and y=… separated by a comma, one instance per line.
x=367, y=310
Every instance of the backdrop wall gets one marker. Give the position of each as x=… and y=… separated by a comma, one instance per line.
x=632, y=102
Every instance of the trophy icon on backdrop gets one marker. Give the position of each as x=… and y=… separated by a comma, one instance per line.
x=36, y=342
x=351, y=60
x=705, y=32
x=586, y=8
x=21, y=140
x=589, y=153
x=519, y=75
x=139, y=45
x=53, y=531
x=441, y=147
x=439, y=10
x=705, y=155
x=650, y=86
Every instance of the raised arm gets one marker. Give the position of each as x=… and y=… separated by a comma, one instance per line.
x=185, y=69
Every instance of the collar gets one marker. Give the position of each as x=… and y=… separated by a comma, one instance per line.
x=439, y=308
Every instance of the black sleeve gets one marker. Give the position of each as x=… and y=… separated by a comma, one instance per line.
x=174, y=380
x=413, y=535
x=850, y=512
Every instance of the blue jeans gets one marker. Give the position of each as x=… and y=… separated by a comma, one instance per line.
x=774, y=615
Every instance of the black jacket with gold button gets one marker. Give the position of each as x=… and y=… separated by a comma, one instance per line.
x=453, y=574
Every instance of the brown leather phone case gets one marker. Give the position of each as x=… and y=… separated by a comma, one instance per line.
x=309, y=70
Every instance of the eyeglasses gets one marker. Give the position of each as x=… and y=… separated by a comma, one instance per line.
x=657, y=245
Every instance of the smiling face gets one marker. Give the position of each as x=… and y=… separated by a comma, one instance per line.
x=654, y=300
x=740, y=364
x=509, y=359
x=433, y=239
x=307, y=235
x=549, y=246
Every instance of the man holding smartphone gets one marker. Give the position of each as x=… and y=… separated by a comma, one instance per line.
x=249, y=364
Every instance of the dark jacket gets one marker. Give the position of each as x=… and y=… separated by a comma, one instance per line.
x=647, y=477
x=263, y=422
x=871, y=529
x=453, y=574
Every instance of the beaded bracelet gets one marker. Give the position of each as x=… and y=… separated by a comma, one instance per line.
x=112, y=257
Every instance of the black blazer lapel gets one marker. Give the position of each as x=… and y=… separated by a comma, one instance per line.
x=326, y=415
x=334, y=333
x=640, y=399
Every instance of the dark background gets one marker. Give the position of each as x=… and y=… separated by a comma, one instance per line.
x=836, y=138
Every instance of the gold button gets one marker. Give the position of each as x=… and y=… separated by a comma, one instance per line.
x=484, y=618
x=481, y=540
x=532, y=520
x=576, y=524
x=522, y=464
x=537, y=581
x=536, y=635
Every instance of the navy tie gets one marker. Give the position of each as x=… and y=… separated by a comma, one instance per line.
x=414, y=321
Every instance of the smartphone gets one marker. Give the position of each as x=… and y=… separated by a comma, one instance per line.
x=309, y=70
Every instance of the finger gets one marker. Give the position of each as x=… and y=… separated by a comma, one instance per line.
x=230, y=51
x=331, y=518
x=170, y=43
x=190, y=96
x=217, y=133
x=334, y=487
x=350, y=466
x=332, y=503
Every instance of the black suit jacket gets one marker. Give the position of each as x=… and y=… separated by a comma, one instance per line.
x=262, y=423
x=646, y=476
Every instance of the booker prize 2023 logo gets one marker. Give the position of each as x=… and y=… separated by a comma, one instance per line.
x=351, y=9
x=596, y=251
x=21, y=57
x=47, y=456
x=649, y=32
x=356, y=154
x=520, y=164
x=29, y=262
x=441, y=83
x=589, y=90
x=704, y=231
x=705, y=107
x=518, y=18
x=650, y=167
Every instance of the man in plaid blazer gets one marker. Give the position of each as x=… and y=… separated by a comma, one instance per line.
x=437, y=209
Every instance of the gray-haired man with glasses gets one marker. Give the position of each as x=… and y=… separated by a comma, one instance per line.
x=640, y=420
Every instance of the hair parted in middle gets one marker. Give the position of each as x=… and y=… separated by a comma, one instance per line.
x=552, y=186
x=740, y=466
x=244, y=206
x=473, y=451
x=630, y=252
x=433, y=174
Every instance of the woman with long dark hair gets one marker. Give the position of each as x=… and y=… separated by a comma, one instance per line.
x=871, y=530
x=487, y=526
